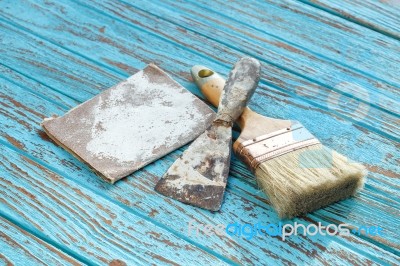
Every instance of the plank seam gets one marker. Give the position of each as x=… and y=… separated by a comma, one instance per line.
x=47, y=240
x=39, y=95
x=362, y=237
x=255, y=56
x=40, y=82
x=303, y=99
x=119, y=204
x=163, y=38
x=143, y=216
x=336, y=113
x=355, y=21
x=193, y=51
x=296, y=45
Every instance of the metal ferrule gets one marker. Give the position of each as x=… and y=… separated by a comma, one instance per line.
x=266, y=147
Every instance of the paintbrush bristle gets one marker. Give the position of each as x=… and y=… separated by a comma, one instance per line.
x=308, y=179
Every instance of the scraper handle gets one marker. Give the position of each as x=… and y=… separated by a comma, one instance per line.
x=211, y=85
x=239, y=87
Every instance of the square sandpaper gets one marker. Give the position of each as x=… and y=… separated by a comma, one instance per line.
x=131, y=124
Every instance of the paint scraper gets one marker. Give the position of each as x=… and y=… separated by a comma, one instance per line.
x=199, y=176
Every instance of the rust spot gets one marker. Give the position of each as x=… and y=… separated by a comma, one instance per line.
x=117, y=262
x=219, y=122
x=102, y=29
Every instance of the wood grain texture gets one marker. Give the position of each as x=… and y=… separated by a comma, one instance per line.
x=361, y=113
x=57, y=54
x=137, y=192
x=87, y=224
x=19, y=247
x=332, y=75
x=46, y=151
x=337, y=53
x=381, y=16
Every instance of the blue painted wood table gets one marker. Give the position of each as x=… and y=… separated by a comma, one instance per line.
x=332, y=65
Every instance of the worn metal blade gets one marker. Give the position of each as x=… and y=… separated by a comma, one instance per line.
x=199, y=176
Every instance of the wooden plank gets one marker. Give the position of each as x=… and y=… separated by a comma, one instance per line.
x=137, y=192
x=381, y=16
x=305, y=40
x=252, y=42
x=280, y=109
x=35, y=87
x=17, y=56
x=18, y=247
x=361, y=113
x=160, y=169
x=301, y=87
x=87, y=224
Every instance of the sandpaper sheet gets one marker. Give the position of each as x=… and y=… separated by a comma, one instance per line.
x=131, y=124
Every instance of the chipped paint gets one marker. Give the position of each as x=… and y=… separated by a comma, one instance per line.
x=376, y=205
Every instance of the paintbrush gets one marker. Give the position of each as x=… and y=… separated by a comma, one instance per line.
x=292, y=167
x=199, y=176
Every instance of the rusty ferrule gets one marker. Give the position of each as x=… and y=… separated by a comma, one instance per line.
x=255, y=151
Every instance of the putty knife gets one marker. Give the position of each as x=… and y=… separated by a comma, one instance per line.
x=199, y=176
x=131, y=124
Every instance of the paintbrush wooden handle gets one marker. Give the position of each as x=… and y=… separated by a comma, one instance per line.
x=211, y=85
x=251, y=123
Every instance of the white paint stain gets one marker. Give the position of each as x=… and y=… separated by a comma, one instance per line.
x=139, y=116
x=190, y=167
